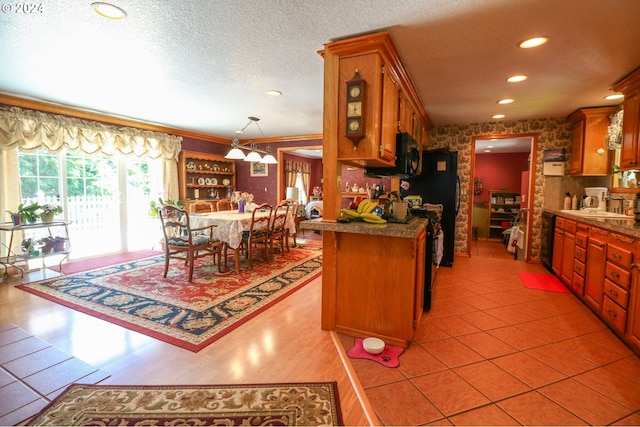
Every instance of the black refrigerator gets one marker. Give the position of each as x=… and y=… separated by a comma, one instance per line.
x=439, y=184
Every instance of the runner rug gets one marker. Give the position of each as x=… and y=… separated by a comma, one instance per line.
x=190, y=315
x=295, y=404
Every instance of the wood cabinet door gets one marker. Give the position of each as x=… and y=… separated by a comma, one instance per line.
x=630, y=131
x=390, y=112
x=577, y=148
x=633, y=313
x=568, y=248
x=594, y=279
x=558, y=245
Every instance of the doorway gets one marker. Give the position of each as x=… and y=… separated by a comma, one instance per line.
x=502, y=163
x=310, y=152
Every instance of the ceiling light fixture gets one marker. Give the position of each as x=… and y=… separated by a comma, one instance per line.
x=272, y=92
x=236, y=152
x=614, y=96
x=505, y=101
x=517, y=78
x=498, y=116
x=533, y=42
x=108, y=10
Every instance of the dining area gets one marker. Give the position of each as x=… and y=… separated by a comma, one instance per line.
x=228, y=230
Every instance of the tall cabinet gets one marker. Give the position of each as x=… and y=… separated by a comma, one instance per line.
x=203, y=176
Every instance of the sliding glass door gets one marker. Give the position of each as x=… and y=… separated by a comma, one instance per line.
x=107, y=199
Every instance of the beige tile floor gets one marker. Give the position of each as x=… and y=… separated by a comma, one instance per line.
x=32, y=373
x=492, y=352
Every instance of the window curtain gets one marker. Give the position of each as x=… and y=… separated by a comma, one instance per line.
x=33, y=130
x=294, y=167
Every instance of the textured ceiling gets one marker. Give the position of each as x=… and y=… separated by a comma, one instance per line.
x=204, y=66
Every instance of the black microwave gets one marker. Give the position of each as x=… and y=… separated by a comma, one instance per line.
x=407, y=159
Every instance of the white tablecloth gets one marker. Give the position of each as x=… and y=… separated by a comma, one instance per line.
x=231, y=224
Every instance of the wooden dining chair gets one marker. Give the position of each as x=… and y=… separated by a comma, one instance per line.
x=278, y=228
x=186, y=243
x=257, y=237
x=201, y=206
x=299, y=215
x=224, y=205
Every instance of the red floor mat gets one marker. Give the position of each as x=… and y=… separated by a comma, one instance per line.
x=543, y=282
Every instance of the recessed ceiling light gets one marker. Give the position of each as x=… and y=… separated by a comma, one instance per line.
x=108, y=10
x=517, y=78
x=487, y=151
x=498, y=116
x=489, y=146
x=614, y=96
x=505, y=101
x=272, y=92
x=533, y=42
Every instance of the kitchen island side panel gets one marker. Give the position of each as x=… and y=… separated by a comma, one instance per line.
x=375, y=286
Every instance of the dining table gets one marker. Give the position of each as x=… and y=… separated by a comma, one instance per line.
x=230, y=226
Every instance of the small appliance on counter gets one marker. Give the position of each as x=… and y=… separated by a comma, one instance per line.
x=595, y=198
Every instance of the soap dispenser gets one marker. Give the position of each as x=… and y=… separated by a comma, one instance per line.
x=567, y=202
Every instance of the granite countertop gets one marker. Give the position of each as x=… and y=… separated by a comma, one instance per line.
x=627, y=226
x=409, y=231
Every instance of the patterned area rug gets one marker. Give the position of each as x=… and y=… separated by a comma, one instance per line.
x=297, y=404
x=190, y=315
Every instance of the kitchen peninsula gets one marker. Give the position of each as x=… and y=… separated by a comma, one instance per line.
x=373, y=274
x=597, y=258
x=378, y=283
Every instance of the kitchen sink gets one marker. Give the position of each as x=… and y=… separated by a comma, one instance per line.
x=596, y=214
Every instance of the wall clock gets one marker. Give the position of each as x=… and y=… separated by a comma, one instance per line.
x=355, y=113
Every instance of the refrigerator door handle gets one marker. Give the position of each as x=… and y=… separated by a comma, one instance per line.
x=458, y=194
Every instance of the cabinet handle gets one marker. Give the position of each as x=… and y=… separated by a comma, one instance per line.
x=612, y=292
x=617, y=256
x=601, y=245
x=612, y=314
x=616, y=275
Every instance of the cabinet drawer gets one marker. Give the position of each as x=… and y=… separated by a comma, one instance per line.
x=617, y=275
x=577, y=283
x=580, y=254
x=578, y=267
x=582, y=239
x=560, y=222
x=614, y=315
x=616, y=293
x=570, y=226
x=619, y=256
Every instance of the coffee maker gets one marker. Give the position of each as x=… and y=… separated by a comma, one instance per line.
x=594, y=199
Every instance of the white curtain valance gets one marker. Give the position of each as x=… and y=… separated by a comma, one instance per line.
x=32, y=130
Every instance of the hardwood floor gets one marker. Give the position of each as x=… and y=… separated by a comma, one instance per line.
x=283, y=344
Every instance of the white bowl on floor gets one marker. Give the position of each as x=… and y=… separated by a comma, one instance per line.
x=373, y=345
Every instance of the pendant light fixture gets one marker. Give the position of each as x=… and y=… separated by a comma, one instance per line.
x=237, y=153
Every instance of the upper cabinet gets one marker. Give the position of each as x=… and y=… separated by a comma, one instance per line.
x=390, y=103
x=589, y=152
x=630, y=150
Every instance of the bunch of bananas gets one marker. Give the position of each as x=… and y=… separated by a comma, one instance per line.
x=363, y=212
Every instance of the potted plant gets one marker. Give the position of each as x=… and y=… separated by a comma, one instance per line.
x=47, y=244
x=25, y=214
x=49, y=210
x=59, y=243
x=155, y=205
